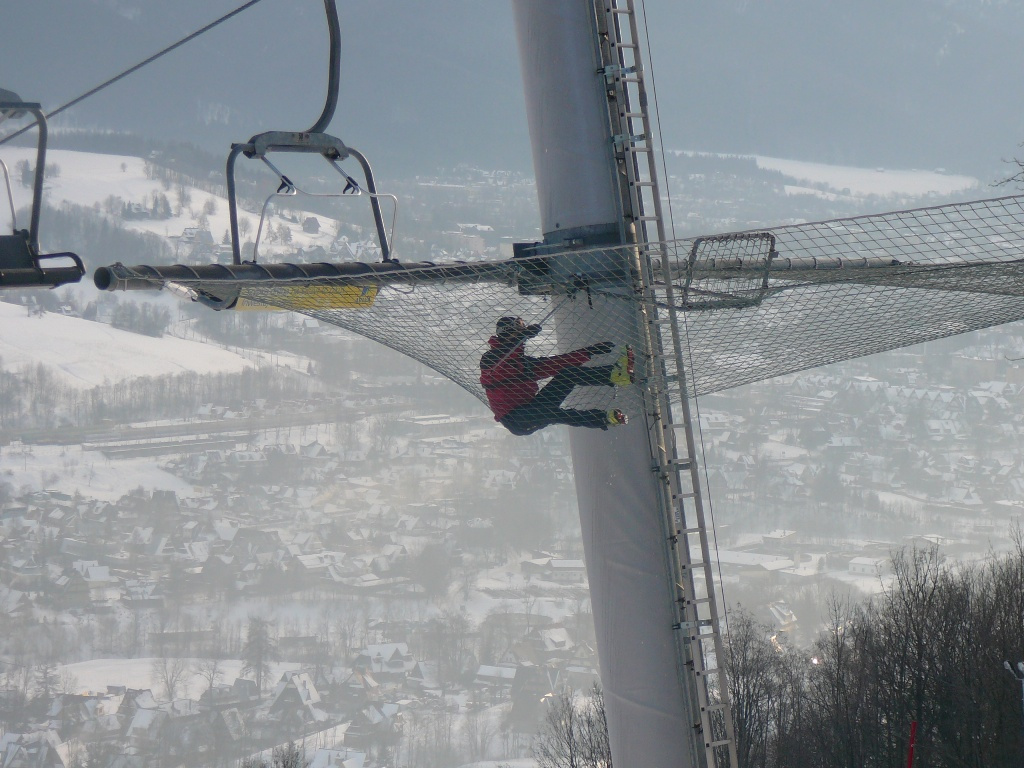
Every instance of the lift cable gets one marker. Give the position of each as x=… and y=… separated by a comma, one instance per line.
x=140, y=65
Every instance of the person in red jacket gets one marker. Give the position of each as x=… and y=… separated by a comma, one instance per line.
x=510, y=379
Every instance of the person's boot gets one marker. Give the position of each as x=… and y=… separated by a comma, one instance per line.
x=617, y=418
x=623, y=370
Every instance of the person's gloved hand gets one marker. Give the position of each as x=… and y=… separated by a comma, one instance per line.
x=601, y=348
x=532, y=330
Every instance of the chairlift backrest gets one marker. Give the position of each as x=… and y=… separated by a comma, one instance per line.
x=21, y=263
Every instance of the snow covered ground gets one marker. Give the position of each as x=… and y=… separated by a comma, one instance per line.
x=862, y=182
x=88, y=179
x=69, y=469
x=857, y=182
x=97, y=674
x=85, y=354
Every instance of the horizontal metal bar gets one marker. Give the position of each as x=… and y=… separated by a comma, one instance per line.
x=119, y=277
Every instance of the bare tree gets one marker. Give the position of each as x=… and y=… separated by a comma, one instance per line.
x=597, y=749
x=290, y=755
x=209, y=670
x=170, y=674
x=478, y=732
x=67, y=681
x=574, y=733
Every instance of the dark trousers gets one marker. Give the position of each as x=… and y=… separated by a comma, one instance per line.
x=546, y=408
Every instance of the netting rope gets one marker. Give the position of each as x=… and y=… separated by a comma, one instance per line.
x=759, y=304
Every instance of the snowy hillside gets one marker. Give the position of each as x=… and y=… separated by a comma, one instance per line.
x=86, y=354
x=89, y=180
x=857, y=182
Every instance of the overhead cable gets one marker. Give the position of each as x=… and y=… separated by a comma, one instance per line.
x=140, y=65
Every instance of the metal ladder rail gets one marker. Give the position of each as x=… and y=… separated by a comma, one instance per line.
x=633, y=138
x=656, y=402
x=623, y=73
x=704, y=630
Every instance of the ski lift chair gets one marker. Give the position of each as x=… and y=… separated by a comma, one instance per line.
x=21, y=263
x=312, y=141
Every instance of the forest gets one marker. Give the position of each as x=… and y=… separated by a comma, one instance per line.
x=928, y=650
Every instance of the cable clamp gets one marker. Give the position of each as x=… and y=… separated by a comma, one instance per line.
x=613, y=71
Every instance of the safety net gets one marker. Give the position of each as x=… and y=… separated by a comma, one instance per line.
x=746, y=306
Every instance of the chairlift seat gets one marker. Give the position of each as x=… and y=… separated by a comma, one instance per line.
x=21, y=264
x=21, y=268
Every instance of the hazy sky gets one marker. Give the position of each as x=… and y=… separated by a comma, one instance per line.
x=915, y=84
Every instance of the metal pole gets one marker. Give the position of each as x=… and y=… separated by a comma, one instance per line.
x=649, y=723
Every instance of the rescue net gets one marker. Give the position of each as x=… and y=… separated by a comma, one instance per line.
x=750, y=305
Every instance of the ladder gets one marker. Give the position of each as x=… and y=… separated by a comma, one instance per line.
x=673, y=447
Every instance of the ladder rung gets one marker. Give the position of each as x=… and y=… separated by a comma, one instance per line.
x=688, y=531
x=701, y=638
x=712, y=671
x=716, y=744
x=713, y=708
x=626, y=140
x=634, y=46
x=696, y=600
x=708, y=671
x=613, y=9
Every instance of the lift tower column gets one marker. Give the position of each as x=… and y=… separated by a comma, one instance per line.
x=592, y=186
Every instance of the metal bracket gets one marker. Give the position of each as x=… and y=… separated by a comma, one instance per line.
x=614, y=71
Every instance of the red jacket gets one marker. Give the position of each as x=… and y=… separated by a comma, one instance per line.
x=510, y=377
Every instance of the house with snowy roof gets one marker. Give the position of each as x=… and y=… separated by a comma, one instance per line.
x=498, y=677
x=296, y=701
x=386, y=661
x=374, y=724
x=37, y=749
x=145, y=730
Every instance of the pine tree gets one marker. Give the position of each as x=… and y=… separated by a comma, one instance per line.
x=259, y=650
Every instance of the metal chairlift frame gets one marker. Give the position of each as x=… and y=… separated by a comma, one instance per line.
x=352, y=189
x=312, y=141
x=21, y=263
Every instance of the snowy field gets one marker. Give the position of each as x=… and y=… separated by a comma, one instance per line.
x=97, y=674
x=69, y=469
x=85, y=354
x=88, y=179
x=857, y=182
x=862, y=182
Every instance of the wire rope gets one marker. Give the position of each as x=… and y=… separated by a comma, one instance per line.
x=136, y=67
x=686, y=327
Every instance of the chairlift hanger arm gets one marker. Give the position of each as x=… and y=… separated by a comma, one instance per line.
x=21, y=264
x=14, y=108
x=333, y=69
x=315, y=140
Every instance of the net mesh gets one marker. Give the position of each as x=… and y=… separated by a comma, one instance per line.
x=750, y=306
